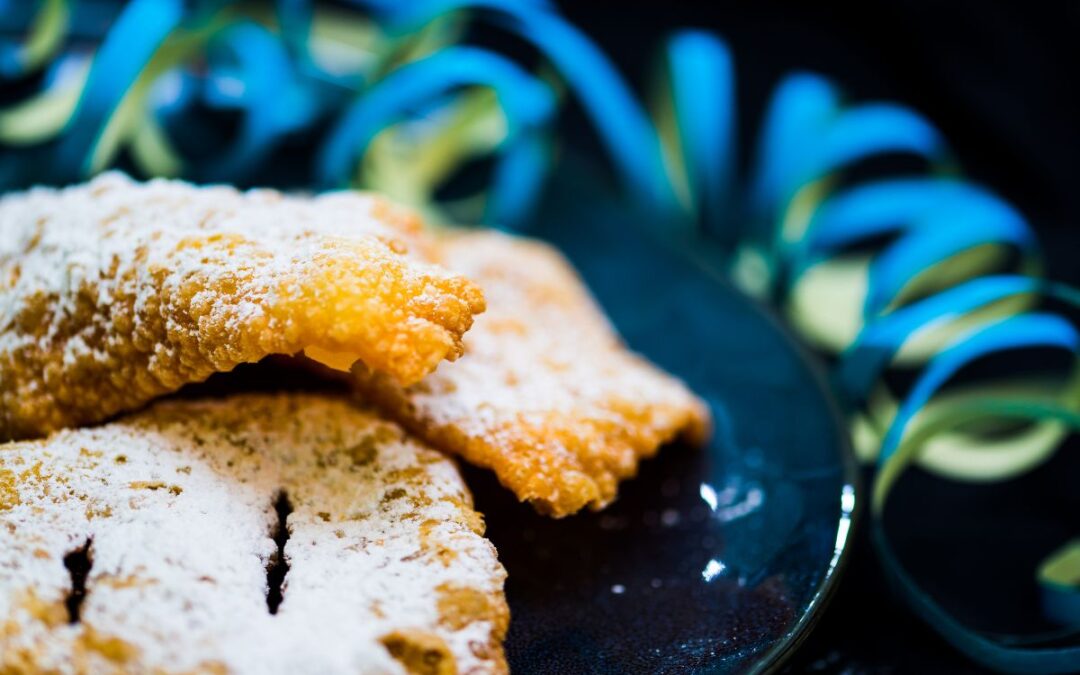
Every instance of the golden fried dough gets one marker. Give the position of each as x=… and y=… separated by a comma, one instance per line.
x=115, y=292
x=546, y=395
x=150, y=545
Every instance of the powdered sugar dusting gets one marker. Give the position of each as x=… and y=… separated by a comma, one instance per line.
x=114, y=292
x=384, y=549
x=545, y=394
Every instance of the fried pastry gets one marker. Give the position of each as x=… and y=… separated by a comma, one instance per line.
x=546, y=395
x=151, y=544
x=115, y=292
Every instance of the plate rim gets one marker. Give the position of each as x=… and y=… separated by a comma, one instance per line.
x=779, y=653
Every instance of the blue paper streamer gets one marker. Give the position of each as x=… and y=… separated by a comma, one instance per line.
x=801, y=107
x=527, y=104
x=134, y=38
x=864, y=363
x=273, y=103
x=628, y=135
x=808, y=139
x=703, y=93
x=1024, y=331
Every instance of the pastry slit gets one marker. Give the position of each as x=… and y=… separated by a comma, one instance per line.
x=278, y=567
x=78, y=563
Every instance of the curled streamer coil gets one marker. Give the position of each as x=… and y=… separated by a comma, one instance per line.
x=168, y=74
x=956, y=282
x=923, y=272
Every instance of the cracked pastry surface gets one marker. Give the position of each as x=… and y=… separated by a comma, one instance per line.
x=115, y=292
x=545, y=395
x=388, y=571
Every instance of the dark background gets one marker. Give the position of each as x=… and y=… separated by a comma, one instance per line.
x=1000, y=80
x=1002, y=83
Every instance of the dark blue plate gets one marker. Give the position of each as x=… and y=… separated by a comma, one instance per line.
x=714, y=560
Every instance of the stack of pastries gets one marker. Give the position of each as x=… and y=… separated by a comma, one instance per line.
x=150, y=527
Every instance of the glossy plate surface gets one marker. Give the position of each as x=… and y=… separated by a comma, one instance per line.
x=710, y=561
